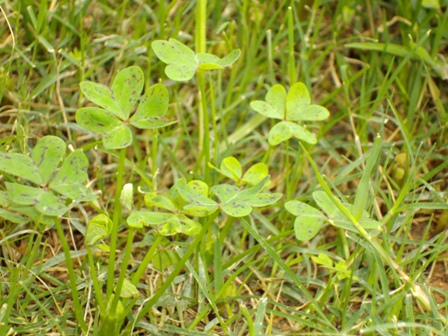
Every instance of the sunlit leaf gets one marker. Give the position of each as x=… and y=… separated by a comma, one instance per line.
x=231, y=168
x=128, y=290
x=102, y=96
x=21, y=166
x=127, y=196
x=308, y=219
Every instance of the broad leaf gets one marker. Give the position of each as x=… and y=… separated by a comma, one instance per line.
x=127, y=196
x=77, y=192
x=127, y=87
x=308, y=219
x=138, y=219
x=119, y=137
x=231, y=168
x=154, y=103
x=160, y=201
x=47, y=155
x=255, y=173
x=189, y=226
x=73, y=170
x=21, y=166
x=276, y=96
x=96, y=120
x=171, y=227
x=128, y=290
x=99, y=227
x=279, y=133
x=195, y=199
x=325, y=203
x=183, y=62
x=102, y=96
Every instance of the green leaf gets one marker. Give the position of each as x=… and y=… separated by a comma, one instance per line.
x=154, y=103
x=119, y=137
x=323, y=260
x=127, y=87
x=50, y=205
x=276, y=96
x=255, y=173
x=128, y=290
x=152, y=123
x=47, y=155
x=195, y=199
x=308, y=219
x=189, y=226
x=298, y=97
x=231, y=168
x=171, y=227
x=13, y=217
x=431, y=4
x=102, y=96
x=237, y=203
x=279, y=133
x=181, y=60
x=199, y=186
x=325, y=203
x=160, y=201
x=362, y=192
x=99, y=227
x=301, y=133
x=21, y=166
x=138, y=219
x=265, y=109
x=311, y=112
x=77, y=192
x=96, y=120
x=22, y=194
x=127, y=196
x=73, y=170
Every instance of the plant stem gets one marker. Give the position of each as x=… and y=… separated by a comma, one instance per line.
x=146, y=260
x=96, y=285
x=124, y=267
x=115, y=220
x=180, y=264
x=71, y=274
x=200, y=30
x=204, y=117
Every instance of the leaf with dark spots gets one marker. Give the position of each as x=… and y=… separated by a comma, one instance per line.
x=309, y=220
x=206, y=205
x=73, y=170
x=119, y=137
x=21, y=166
x=96, y=120
x=102, y=96
x=22, y=194
x=47, y=155
x=126, y=88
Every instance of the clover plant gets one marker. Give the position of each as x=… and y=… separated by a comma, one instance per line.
x=112, y=120
x=184, y=62
x=289, y=108
x=231, y=168
x=52, y=183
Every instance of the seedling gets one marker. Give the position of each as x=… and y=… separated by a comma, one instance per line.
x=290, y=108
x=55, y=183
x=341, y=267
x=184, y=62
x=231, y=168
x=112, y=120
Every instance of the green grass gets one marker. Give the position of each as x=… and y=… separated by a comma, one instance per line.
x=247, y=276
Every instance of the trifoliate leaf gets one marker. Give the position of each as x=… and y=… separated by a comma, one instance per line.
x=308, y=219
x=47, y=155
x=195, y=199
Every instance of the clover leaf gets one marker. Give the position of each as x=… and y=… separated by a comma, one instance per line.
x=309, y=220
x=239, y=203
x=99, y=227
x=182, y=200
x=290, y=107
x=231, y=168
x=112, y=119
x=183, y=62
x=41, y=168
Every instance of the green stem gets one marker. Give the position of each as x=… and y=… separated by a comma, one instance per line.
x=146, y=260
x=124, y=267
x=115, y=220
x=96, y=285
x=200, y=30
x=291, y=61
x=205, y=127
x=71, y=274
x=180, y=264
